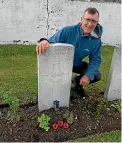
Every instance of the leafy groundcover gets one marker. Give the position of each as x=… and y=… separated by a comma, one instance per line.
x=85, y=116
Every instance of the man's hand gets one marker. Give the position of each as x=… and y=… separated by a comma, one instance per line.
x=84, y=80
x=42, y=46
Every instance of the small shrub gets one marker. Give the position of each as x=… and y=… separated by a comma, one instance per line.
x=96, y=105
x=12, y=101
x=14, y=106
x=44, y=122
x=69, y=117
x=117, y=106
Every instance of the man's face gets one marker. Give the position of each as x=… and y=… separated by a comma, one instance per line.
x=89, y=22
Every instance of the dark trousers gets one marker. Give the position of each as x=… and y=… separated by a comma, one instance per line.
x=82, y=70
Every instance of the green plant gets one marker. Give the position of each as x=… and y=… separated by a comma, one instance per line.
x=69, y=117
x=13, y=104
x=10, y=130
x=117, y=105
x=44, y=122
x=12, y=101
x=96, y=104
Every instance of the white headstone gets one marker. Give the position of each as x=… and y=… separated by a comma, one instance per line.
x=54, y=75
x=113, y=88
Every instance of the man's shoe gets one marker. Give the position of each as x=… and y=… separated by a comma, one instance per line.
x=80, y=91
x=78, y=88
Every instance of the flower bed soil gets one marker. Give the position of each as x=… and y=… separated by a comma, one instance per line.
x=27, y=129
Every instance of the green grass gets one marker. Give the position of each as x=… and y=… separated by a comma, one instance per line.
x=113, y=136
x=107, y=53
x=18, y=69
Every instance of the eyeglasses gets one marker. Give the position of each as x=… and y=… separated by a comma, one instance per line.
x=90, y=20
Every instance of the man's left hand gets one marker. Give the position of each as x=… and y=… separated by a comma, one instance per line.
x=84, y=80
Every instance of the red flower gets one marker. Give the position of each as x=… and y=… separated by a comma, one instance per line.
x=65, y=125
x=55, y=126
x=60, y=123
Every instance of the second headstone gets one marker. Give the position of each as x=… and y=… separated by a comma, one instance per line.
x=113, y=87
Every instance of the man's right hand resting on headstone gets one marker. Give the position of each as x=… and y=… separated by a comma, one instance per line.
x=41, y=47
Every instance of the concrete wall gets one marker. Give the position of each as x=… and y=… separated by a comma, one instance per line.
x=24, y=20
x=29, y=20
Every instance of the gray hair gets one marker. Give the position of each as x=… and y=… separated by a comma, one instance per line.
x=91, y=10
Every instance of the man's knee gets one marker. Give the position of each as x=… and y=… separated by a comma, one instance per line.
x=98, y=76
x=81, y=69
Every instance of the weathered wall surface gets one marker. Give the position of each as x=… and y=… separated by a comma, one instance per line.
x=29, y=20
x=24, y=20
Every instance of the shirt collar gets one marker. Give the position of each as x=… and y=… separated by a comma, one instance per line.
x=93, y=33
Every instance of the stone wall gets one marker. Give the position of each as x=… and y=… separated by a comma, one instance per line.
x=116, y=1
x=24, y=21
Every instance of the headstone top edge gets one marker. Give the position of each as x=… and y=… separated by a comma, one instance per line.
x=118, y=47
x=61, y=44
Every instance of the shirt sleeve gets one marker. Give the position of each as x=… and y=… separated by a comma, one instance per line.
x=59, y=37
x=94, y=62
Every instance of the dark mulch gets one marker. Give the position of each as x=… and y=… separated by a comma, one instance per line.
x=27, y=129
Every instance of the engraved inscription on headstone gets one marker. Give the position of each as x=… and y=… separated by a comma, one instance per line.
x=113, y=88
x=54, y=75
